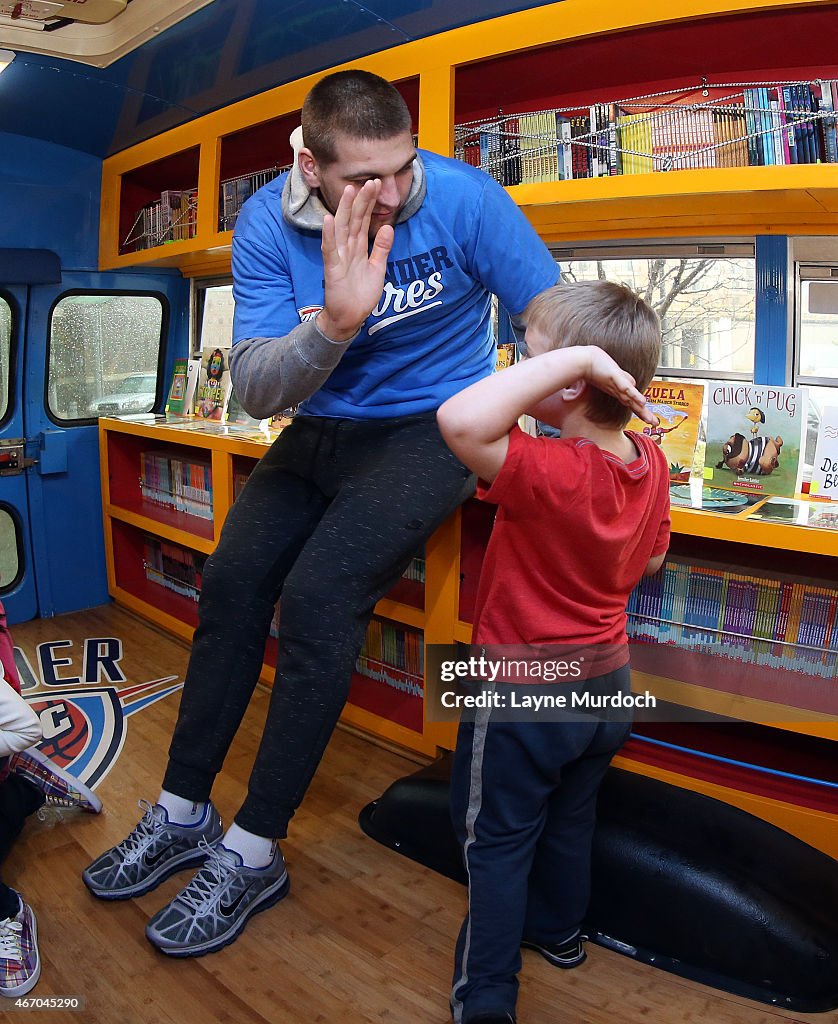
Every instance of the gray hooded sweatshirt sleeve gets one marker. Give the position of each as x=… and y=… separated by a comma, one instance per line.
x=272, y=374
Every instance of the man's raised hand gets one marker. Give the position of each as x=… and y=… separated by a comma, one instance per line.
x=353, y=275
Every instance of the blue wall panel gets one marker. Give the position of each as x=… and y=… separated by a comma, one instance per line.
x=49, y=199
x=772, y=309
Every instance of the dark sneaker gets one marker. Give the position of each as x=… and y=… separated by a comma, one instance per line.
x=211, y=911
x=20, y=962
x=60, y=788
x=565, y=954
x=155, y=849
x=491, y=1018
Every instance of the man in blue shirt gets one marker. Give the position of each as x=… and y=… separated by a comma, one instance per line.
x=363, y=282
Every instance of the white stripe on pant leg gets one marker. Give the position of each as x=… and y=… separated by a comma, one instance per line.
x=475, y=799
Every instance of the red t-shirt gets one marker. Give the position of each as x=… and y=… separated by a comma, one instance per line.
x=574, y=532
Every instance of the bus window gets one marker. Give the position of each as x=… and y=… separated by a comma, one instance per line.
x=103, y=355
x=5, y=349
x=816, y=348
x=706, y=305
x=9, y=551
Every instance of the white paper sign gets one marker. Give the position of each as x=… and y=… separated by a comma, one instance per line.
x=825, y=470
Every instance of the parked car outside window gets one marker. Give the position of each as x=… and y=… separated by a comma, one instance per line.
x=136, y=393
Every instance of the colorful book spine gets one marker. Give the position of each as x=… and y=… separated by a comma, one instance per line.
x=783, y=127
x=826, y=106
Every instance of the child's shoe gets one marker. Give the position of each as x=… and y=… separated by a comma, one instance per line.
x=20, y=962
x=59, y=787
x=567, y=954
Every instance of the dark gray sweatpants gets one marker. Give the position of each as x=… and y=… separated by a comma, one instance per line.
x=329, y=520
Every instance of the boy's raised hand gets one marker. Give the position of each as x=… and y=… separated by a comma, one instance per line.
x=610, y=377
x=353, y=275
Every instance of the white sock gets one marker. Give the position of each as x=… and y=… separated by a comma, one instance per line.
x=180, y=810
x=255, y=851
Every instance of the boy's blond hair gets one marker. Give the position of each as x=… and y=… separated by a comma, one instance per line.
x=608, y=315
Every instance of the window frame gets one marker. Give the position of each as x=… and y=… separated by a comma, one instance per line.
x=809, y=271
x=11, y=386
x=200, y=286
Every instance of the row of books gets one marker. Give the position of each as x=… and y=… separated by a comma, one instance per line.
x=389, y=644
x=778, y=123
x=761, y=620
x=234, y=192
x=180, y=570
x=779, y=131
x=174, y=216
x=390, y=676
x=416, y=570
x=171, y=218
x=173, y=482
x=173, y=567
x=240, y=478
x=775, y=123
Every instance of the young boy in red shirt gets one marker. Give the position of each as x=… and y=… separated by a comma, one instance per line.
x=580, y=519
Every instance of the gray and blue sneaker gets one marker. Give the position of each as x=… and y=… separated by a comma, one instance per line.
x=213, y=909
x=155, y=849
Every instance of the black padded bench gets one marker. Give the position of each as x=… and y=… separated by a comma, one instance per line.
x=680, y=880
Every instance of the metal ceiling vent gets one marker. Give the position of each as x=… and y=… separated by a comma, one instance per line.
x=38, y=14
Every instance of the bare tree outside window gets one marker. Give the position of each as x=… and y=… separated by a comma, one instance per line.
x=706, y=307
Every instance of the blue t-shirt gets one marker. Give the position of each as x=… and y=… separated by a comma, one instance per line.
x=430, y=335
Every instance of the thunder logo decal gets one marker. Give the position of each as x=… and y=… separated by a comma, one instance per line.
x=84, y=722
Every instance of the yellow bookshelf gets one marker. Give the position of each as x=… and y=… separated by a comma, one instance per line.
x=451, y=70
x=129, y=520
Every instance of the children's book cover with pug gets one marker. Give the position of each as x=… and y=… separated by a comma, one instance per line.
x=755, y=436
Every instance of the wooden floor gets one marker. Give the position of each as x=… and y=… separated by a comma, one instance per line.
x=365, y=935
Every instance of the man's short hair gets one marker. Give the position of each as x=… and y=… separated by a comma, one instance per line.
x=608, y=315
x=353, y=103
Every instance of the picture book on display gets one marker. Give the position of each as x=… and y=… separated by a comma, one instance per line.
x=505, y=355
x=825, y=470
x=182, y=388
x=677, y=404
x=822, y=515
x=238, y=415
x=711, y=499
x=214, y=384
x=755, y=437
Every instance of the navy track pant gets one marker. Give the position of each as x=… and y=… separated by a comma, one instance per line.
x=523, y=803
